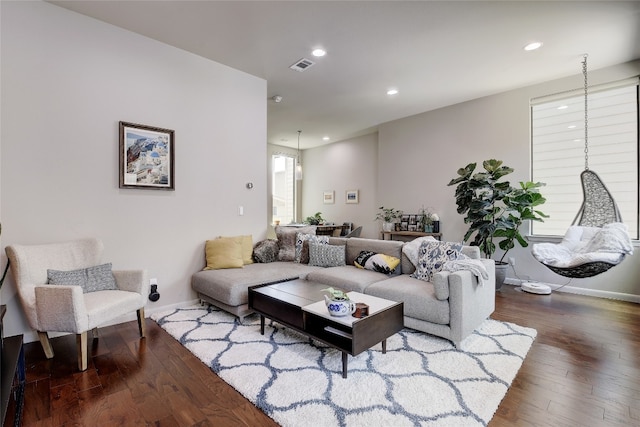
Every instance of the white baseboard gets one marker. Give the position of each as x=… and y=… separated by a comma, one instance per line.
x=582, y=291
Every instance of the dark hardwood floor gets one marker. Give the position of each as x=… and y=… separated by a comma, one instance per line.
x=582, y=370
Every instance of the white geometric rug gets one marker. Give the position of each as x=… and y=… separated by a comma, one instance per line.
x=422, y=380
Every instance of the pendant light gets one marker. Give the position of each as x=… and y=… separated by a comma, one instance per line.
x=298, y=164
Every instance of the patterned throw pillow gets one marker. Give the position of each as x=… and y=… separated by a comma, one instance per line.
x=92, y=279
x=377, y=262
x=411, y=249
x=302, y=245
x=432, y=256
x=322, y=255
x=266, y=251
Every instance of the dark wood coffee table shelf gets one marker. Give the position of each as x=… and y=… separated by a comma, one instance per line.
x=299, y=305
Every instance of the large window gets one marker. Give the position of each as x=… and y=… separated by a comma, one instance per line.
x=283, y=188
x=558, y=151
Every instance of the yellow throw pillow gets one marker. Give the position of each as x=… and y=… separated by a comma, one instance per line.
x=247, y=249
x=224, y=252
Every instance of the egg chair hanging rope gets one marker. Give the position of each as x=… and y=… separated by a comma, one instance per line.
x=586, y=115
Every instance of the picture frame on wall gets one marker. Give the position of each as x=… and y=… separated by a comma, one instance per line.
x=147, y=157
x=352, y=196
x=328, y=198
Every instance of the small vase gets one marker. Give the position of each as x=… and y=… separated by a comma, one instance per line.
x=428, y=228
x=388, y=226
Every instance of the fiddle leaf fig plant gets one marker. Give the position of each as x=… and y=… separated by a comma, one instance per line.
x=520, y=204
x=493, y=208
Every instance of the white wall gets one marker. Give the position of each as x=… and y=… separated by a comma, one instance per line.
x=67, y=80
x=338, y=167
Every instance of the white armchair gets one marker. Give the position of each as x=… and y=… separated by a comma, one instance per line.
x=65, y=308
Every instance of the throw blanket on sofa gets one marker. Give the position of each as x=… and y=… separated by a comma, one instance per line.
x=581, y=245
x=475, y=266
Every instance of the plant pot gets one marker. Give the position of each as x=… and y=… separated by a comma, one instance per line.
x=501, y=274
x=388, y=226
x=428, y=228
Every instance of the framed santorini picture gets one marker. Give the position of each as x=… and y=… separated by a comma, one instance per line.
x=146, y=157
x=351, y=196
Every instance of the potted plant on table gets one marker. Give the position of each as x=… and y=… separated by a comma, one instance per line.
x=338, y=302
x=315, y=219
x=495, y=209
x=427, y=220
x=388, y=216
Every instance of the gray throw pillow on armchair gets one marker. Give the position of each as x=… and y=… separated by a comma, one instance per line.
x=91, y=279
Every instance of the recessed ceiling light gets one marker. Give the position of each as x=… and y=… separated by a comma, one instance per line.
x=325, y=138
x=571, y=127
x=392, y=92
x=563, y=107
x=533, y=46
x=319, y=52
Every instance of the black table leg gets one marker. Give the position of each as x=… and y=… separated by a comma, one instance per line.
x=344, y=364
x=261, y=324
x=384, y=346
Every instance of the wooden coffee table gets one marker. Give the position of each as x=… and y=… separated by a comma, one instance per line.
x=299, y=304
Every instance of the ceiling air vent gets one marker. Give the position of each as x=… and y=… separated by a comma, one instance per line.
x=302, y=64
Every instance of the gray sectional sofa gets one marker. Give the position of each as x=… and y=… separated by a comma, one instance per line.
x=452, y=306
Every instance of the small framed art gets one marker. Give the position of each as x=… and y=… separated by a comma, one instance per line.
x=328, y=198
x=146, y=157
x=351, y=196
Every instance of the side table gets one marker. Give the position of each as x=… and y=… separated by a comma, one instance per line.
x=13, y=374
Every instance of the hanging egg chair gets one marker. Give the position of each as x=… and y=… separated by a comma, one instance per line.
x=597, y=239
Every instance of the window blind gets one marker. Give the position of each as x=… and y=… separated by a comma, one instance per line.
x=558, y=151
